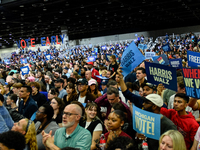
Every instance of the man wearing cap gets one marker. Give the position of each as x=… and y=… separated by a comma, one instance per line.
x=153, y=103
x=103, y=86
x=84, y=96
x=94, y=72
x=65, y=72
x=59, y=84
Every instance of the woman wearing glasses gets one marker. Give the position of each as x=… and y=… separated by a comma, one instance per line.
x=44, y=122
x=58, y=106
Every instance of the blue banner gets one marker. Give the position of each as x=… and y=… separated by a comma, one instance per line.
x=108, y=57
x=23, y=61
x=92, y=58
x=147, y=123
x=193, y=59
x=24, y=70
x=149, y=55
x=162, y=59
x=96, y=50
x=131, y=58
x=103, y=78
x=142, y=46
x=157, y=73
x=166, y=47
x=176, y=63
x=48, y=57
x=192, y=82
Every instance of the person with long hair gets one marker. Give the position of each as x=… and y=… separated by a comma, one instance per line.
x=93, y=88
x=172, y=140
x=113, y=66
x=53, y=92
x=92, y=122
x=58, y=105
x=44, y=122
x=27, y=128
x=71, y=94
x=115, y=123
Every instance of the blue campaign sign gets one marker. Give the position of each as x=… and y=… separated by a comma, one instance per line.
x=84, y=104
x=108, y=57
x=166, y=47
x=157, y=73
x=149, y=55
x=131, y=58
x=100, y=77
x=7, y=61
x=154, y=58
x=176, y=63
x=193, y=59
x=192, y=82
x=141, y=46
x=147, y=123
x=23, y=60
x=96, y=50
x=48, y=57
x=92, y=58
x=24, y=70
x=162, y=59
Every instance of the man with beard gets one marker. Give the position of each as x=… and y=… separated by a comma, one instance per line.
x=153, y=103
x=83, y=70
x=59, y=85
x=71, y=134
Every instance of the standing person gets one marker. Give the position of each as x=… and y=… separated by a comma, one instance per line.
x=92, y=122
x=94, y=72
x=71, y=134
x=113, y=66
x=140, y=75
x=71, y=94
x=44, y=122
x=27, y=106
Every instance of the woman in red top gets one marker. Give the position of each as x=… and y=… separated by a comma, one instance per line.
x=115, y=122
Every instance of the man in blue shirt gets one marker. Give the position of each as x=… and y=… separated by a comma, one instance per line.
x=27, y=106
x=71, y=134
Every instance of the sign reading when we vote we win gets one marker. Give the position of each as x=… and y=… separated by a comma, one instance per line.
x=192, y=82
x=157, y=73
x=146, y=123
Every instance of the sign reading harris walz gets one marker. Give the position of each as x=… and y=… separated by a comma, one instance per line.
x=44, y=41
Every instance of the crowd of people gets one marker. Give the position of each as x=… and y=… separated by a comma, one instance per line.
x=69, y=102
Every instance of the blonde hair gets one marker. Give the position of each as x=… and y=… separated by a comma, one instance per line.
x=177, y=139
x=31, y=135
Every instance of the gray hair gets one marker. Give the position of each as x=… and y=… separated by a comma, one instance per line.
x=113, y=90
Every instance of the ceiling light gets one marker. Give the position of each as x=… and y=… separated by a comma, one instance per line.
x=60, y=11
x=44, y=9
x=22, y=14
x=3, y=17
x=82, y=6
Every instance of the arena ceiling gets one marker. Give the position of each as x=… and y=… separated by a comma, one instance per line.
x=84, y=18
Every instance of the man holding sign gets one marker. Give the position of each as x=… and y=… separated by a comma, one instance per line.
x=152, y=130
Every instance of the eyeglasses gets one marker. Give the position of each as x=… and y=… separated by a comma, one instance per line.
x=38, y=112
x=68, y=114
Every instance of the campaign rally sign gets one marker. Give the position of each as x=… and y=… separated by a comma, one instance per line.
x=166, y=47
x=193, y=59
x=23, y=60
x=103, y=78
x=108, y=57
x=176, y=63
x=24, y=70
x=157, y=73
x=192, y=82
x=96, y=50
x=155, y=57
x=91, y=58
x=146, y=123
x=149, y=55
x=48, y=57
x=162, y=59
x=131, y=58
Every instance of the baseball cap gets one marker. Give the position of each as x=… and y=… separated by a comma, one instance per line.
x=104, y=82
x=90, y=63
x=92, y=81
x=66, y=68
x=152, y=86
x=83, y=81
x=156, y=99
x=59, y=80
